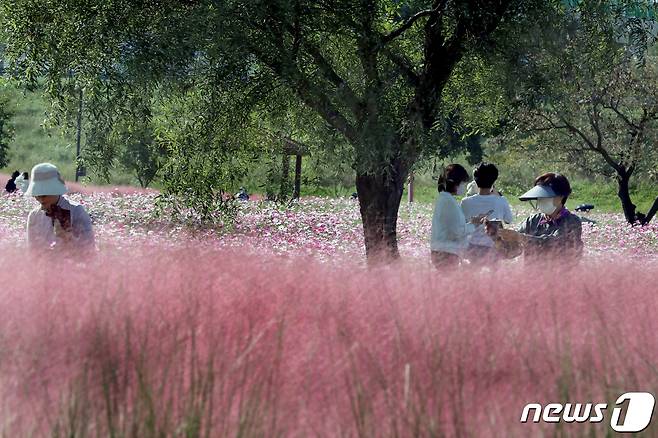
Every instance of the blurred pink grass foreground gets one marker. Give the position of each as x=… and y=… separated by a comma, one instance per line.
x=206, y=342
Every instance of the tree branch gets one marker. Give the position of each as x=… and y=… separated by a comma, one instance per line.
x=442, y=55
x=582, y=135
x=342, y=87
x=410, y=22
x=594, y=122
x=550, y=122
x=596, y=148
x=310, y=93
x=368, y=50
x=404, y=65
x=548, y=128
x=317, y=100
x=621, y=115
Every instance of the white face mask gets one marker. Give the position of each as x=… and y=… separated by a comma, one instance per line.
x=545, y=205
x=461, y=189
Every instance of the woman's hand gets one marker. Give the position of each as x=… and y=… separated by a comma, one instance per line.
x=479, y=219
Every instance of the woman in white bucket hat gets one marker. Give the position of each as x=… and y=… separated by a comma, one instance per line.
x=58, y=222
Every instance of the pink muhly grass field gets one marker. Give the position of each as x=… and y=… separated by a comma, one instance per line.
x=194, y=342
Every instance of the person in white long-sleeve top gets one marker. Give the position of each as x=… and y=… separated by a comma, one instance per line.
x=58, y=223
x=486, y=201
x=449, y=226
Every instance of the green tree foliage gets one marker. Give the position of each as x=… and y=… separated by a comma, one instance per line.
x=6, y=131
x=123, y=137
x=291, y=127
x=588, y=97
x=141, y=155
x=205, y=146
x=576, y=88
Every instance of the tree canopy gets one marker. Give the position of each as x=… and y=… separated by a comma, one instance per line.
x=586, y=94
x=374, y=72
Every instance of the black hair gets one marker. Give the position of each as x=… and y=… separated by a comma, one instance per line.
x=453, y=175
x=485, y=175
x=557, y=182
x=26, y=175
x=15, y=174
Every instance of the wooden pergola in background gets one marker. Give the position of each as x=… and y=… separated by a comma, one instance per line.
x=293, y=147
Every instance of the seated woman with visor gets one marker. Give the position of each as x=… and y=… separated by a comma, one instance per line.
x=553, y=231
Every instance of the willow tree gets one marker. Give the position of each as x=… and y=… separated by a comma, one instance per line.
x=373, y=70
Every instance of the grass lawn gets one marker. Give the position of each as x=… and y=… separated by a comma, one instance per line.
x=602, y=196
x=34, y=143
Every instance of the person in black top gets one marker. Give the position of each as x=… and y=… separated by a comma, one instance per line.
x=10, y=187
x=554, y=230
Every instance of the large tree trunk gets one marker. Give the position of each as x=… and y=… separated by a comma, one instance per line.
x=379, y=201
x=630, y=210
x=623, y=179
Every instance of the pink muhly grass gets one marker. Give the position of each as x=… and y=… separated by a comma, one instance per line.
x=202, y=342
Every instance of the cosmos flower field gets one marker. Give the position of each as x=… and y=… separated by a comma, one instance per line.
x=321, y=227
x=276, y=327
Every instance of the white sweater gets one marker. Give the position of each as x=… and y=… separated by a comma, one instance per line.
x=449, y=228
x=41, y=228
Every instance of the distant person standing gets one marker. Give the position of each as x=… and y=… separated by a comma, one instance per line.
x=481, y=247
x=22, y=182
x=471, y=189
x=57, y=222
x=10, y=187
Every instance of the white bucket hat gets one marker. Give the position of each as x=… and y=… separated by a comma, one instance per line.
x=45, y=180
